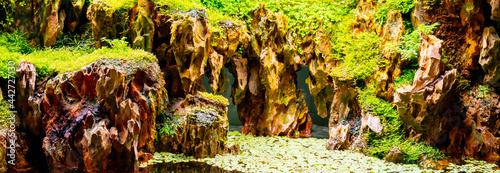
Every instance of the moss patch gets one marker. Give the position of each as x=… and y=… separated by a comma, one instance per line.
x=49, y=62
x=218, y=98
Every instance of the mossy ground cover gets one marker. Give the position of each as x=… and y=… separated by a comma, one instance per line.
x=281, y=154
x=49, y=62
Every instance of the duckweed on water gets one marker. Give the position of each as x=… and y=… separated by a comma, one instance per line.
x=281, y=154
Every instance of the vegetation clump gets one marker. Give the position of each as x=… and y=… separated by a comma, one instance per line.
x=50, y=61
x=218, y=98
x=393, y=132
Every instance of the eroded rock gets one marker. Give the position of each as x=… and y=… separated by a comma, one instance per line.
x=28, y=99
x=490, y=55
x=277, y=105
x=391, y=32
x=106, y=22
x=99, y=117
x=420, y=105
x=143, y=25
x=495, y=9
x=395, y=155
x=197, y=126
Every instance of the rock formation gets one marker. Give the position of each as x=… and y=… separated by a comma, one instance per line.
x=490, y=55
x=197, y=126
x=480, y=128
x=420, y=105
x=273, y=104
x=391, y=33
x=100, y=116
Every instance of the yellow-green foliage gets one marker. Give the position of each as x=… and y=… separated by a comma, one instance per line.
x=52, y=61
x=359, y=56
x=214, y=16
x=302, y=14
x=119, y=4
x=384, y=6
x=219, y=98
x=4, y=113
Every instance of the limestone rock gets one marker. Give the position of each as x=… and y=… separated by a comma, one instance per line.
x=495, y=9
x=98, y=117
x=198, y=126
x=482, y=140
x=490, y=55
x=462, y=38
x=190, y=46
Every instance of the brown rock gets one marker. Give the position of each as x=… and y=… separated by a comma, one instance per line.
x=490, y=53
x=106, y=22
x=197, y=127
x=495, y=9
x=395, y=156
x=29, y=100
x=190, y=45
x=391, y=32
x=97, y=118
x=143, y=25
x=345, y=119
x=420, y=105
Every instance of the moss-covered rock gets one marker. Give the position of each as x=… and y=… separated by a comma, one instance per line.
x=197, y=126
x=102, y=114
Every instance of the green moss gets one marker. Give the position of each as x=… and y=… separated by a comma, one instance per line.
x=302, y=14
x=384, y=6
x=168, y=127
x=49, y=62
x=15, y=42
x=410, y=42
x=482, y=92
x=393, y=133
x=4, y=114
x=214, y=16
x=406, y=78
x=359, y=57
x=119, y=4
x=218, y=98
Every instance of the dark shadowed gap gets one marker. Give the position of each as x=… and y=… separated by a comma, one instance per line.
x=232, y=113
x=311, y=107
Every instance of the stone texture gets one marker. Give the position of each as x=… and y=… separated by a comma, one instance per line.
x=106, y=22
x=391, y=32
x=490, y=55
x=495, y=9
x=44, y=20
x=99, y=117
x=199, y=125
x=348, y=123
x=482, y=138
x=420, y=106
x=270, y=102
x=28, y=99
x=190, y=46
x=461, y=38
x=395, y=155
x=143, y=25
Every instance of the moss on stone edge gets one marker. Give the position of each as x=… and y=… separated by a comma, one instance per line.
x=218, y=98
x=53, y=61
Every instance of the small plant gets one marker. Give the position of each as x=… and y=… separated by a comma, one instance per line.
x=410, y=42
x=482, y=92
x=384, y=6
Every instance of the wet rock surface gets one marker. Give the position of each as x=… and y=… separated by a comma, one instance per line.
x=99, y=117
x=198, y=127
